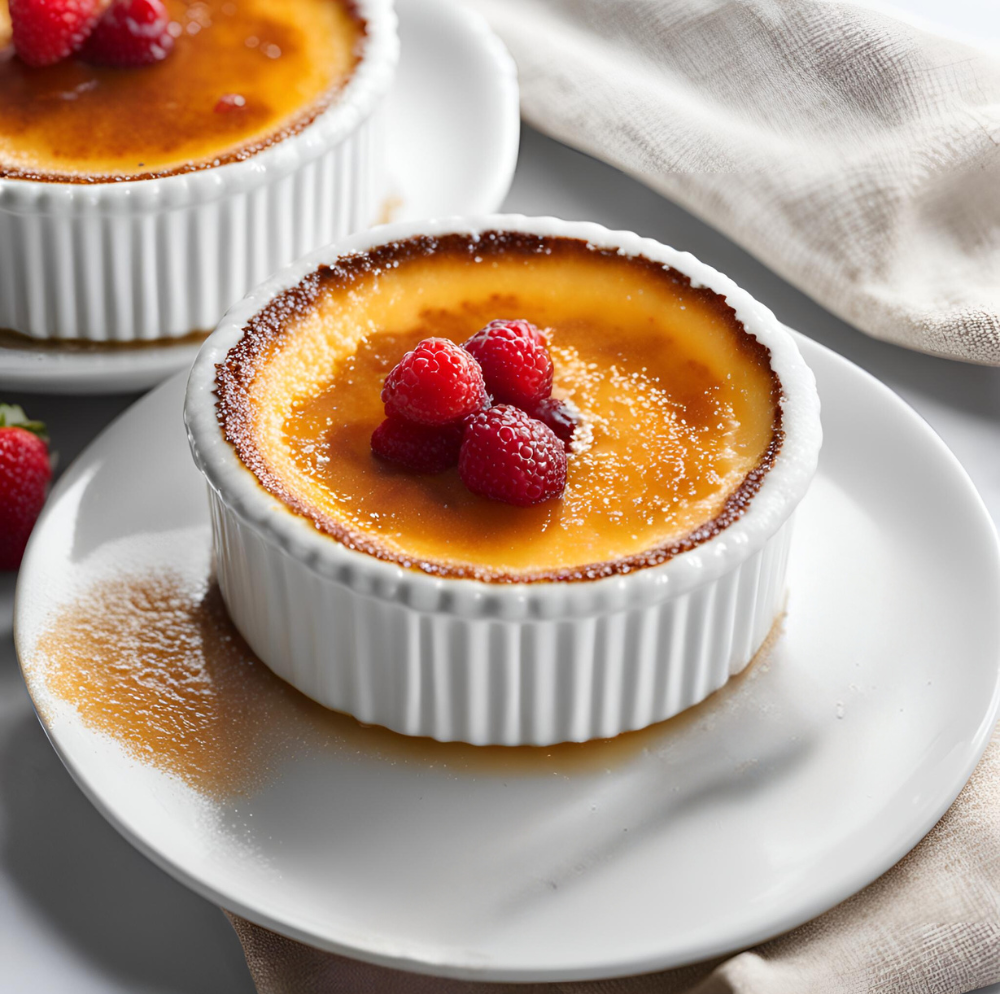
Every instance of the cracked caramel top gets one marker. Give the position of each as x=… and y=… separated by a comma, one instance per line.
x=284, y=62
x=680, y=408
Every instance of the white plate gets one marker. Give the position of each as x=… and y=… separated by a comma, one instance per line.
x=453, y=137
x=779, y=797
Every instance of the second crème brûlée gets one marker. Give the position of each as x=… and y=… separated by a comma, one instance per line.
x=242, y=75
x=679, y=409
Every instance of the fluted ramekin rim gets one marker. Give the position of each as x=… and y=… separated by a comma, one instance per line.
x=781, y=490
x=367, y=85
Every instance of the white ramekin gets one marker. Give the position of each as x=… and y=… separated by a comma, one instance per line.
x=162, y=258
x=491, y=663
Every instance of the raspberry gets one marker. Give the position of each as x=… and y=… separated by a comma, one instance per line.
x=558, y=415
x=516, y=364
x=47, y=31
x=419, y=448
x=131, y=33
x=511, y=457
x=436, y=383
x=519, y=327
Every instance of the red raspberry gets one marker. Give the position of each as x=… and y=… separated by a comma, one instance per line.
x=509, y=456
x=420, y=448
x=516, y=364
x=558, y=415
x=47, y=31
x=520, y=327
x=131, y=33
x=436, y=383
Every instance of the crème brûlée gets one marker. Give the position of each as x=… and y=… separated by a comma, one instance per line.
x=242, y=75
x=679, y=409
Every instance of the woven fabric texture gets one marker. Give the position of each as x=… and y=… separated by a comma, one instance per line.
x=856, y=155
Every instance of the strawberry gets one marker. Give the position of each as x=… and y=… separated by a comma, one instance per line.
x=25, y=471
x=47, y=31
x=131, y=33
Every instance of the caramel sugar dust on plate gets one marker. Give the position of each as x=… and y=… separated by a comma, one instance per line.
x=154, y=662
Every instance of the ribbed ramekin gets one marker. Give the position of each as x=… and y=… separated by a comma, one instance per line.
x=164, y=257
x=491, y=663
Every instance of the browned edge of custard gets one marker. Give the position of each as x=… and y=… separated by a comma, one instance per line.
x=235, y=374
x=246, y=151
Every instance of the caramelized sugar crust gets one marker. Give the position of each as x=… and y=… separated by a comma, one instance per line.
x=681, y=409
x=73, y=122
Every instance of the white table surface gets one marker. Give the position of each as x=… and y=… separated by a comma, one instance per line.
x=80, y=910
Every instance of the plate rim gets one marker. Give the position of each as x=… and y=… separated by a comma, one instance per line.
x=387, y=954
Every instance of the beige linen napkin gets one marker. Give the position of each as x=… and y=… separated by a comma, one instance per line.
x=931, y=925
x=856, y=155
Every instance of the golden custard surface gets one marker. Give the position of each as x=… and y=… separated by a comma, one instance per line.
x=77, y=122
x=679, y=408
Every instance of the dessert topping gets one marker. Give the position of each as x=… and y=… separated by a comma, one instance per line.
x=558, y=415
x=47, y=31
x=25, y=471
x=437, y=383
x=419, y=448
x=439, y=413
x=507, y=455
x=516, y=363
x=131, y=33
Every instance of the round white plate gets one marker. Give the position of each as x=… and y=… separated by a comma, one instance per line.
x=453, y=136
x=787, y=792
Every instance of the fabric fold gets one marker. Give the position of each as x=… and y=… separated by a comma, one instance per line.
x=856, y=155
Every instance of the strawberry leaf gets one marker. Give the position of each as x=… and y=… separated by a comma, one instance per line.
x=12, y=416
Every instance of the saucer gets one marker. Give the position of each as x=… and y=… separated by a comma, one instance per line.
x=793, y=787
x=453, y=132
